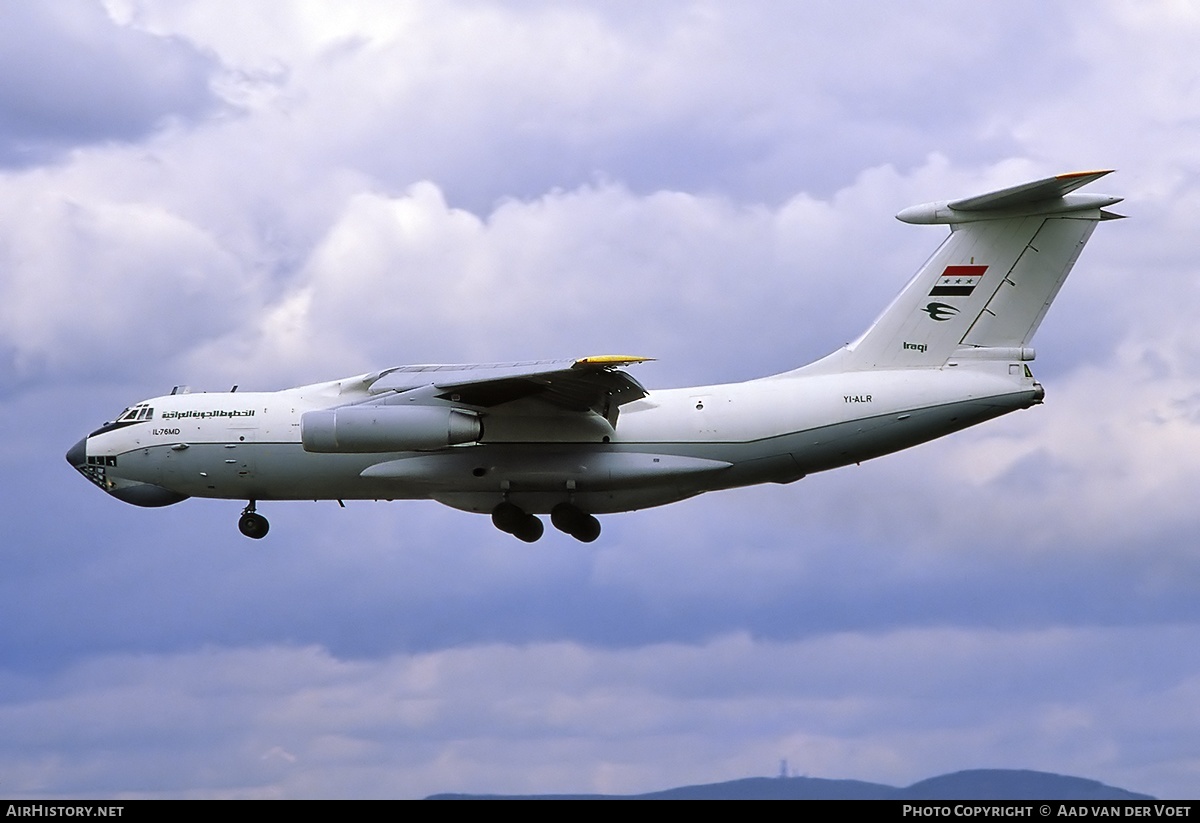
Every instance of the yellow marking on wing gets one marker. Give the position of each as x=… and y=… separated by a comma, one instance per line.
x=1071, y=174
x=609, y=360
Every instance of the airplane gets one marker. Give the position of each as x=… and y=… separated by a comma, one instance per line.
x=578, y=438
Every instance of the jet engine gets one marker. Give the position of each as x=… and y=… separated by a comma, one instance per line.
x=364, y=429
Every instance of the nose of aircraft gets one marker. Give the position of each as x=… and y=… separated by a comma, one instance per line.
x=129, y=491
x=77, y=454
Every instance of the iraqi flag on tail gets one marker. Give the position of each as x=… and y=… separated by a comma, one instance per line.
x=957, y=281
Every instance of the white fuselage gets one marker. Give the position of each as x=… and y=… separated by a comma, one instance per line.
x=670, y=445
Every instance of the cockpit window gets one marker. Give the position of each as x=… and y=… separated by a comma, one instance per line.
x=136, y=413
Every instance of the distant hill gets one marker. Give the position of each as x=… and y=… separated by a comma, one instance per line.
x=974, y=784
x=1013, y=784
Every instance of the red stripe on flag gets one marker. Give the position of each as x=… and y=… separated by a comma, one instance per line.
x=964, y=271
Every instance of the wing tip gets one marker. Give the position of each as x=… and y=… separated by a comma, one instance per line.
x=609, y=360
x=1094, y=173
x=1083, y=176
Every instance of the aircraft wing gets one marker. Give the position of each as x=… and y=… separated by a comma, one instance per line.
x=595, y=383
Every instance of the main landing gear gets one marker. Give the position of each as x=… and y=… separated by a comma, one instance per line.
x=511, y=518
x=252, y=524
x=507, y=517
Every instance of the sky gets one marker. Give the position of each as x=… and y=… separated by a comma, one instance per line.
x=270, y=194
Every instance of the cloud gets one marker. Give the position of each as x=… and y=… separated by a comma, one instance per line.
x=101, y=285
x=411, y=274
x=567, y=718
x=495, y=101
x=75, y=77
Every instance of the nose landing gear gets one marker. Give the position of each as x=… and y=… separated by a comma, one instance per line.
x=252, y=524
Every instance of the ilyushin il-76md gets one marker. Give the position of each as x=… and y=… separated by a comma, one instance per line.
x=578, y=438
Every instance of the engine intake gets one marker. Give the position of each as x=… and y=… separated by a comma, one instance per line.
x=364, y=429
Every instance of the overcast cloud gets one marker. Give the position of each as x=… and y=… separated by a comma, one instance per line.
x=271, y=194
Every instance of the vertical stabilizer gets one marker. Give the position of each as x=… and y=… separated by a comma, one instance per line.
x=992, y=280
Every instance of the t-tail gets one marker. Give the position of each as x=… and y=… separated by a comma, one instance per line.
x=984, y=292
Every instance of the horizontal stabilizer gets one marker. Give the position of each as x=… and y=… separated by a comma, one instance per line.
x=1038, y=190
x=1051, y=195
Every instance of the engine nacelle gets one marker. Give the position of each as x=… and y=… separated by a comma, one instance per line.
x=362, y=429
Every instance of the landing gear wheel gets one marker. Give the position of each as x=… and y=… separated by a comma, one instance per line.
x=511, y=518
x=253, y=525
x=508, y=517
x=531, y=530
x=579, y=524
x=588, y=531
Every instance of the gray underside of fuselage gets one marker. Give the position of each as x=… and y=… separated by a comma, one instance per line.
x=477, y=477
